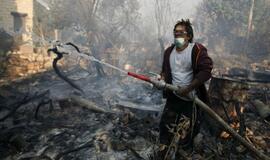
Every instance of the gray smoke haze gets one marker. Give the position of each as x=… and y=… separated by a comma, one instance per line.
x=178, y=9
x=140, y=30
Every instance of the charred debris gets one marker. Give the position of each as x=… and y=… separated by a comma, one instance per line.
x=117, y=117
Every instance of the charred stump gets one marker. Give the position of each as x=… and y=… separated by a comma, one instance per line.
x=227, y=97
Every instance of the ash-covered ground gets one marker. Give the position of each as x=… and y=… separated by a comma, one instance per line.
x=116, y=118
x=125, y=128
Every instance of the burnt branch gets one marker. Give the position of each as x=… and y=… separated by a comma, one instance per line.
x=86, y=145
x=42, y=103
x=24, y=101
x=241, y=119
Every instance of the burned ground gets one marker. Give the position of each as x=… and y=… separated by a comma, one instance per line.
x=115, y=118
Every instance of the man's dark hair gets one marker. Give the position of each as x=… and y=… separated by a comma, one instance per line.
x=188, y=27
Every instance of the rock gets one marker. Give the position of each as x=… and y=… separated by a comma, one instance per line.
x=31, y=66
x=15, y=71
x=48, y=64
x=27, y=59
x=26, y=49
x=40, y=58
x=263, y=109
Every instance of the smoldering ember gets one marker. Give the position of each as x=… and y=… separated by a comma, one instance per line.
x=134, y=79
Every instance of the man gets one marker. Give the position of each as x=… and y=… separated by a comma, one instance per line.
x=188, y=66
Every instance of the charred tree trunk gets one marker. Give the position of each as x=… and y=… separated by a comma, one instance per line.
x=226, y=97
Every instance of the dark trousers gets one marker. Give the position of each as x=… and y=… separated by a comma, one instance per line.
x=174, y=108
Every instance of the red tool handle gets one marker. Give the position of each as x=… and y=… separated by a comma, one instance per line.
x=139, y=76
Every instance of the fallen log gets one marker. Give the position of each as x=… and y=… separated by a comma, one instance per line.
x=249, y=146
x=216, y=117
x=86, y=104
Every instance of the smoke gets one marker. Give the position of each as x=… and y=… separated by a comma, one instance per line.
x=175, y=10
x=44, y=4
x=132, y=35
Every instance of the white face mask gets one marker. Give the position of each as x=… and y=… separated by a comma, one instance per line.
x=179, y=42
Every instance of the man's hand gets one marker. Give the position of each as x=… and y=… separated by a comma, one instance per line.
x=159, y=84
x=183, y=91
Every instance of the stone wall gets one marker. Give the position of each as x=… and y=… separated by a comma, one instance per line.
x=27, y=61
x=23, y=60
